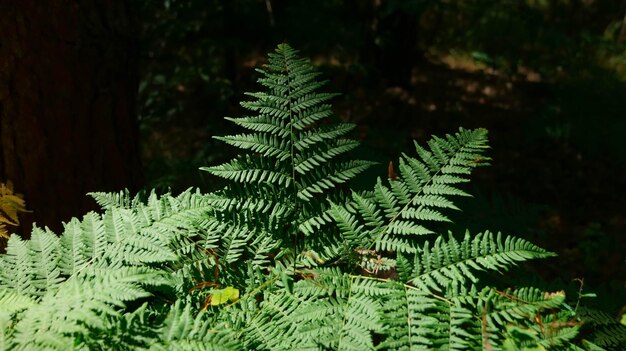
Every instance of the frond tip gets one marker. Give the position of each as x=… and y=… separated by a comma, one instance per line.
x=289, y=145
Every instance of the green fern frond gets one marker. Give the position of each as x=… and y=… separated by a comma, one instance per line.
x=16, y=272
x=270, y=146
x=12, y=302
x=451, y=262
x=80, y=307
x=193, y=345
x=263, y=123
x=269, y=328
x=120, y=199
x=326, y=178
x=251, y=170
x=184, y=329
x=360, y=318
x=347, y=224
x=319, y=314
x=408, y=326
x=295, y=161
x=421, y=193
x=608, y=332
x=291, y=147
x=501, y=308
x=324, y=282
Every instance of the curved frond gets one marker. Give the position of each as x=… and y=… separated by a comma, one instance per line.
x=452, y=262
x=397, y=215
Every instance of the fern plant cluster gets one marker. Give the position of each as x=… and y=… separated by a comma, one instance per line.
x=287, y=257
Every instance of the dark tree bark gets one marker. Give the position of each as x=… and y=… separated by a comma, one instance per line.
x=68, y=85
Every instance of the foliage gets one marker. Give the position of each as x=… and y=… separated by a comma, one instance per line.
x=286, y=256
x=538, y=34
x=11, y=205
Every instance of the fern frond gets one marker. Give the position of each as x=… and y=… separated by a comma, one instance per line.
x=194, y=345
x=285, y=134
x=326, y=178
x=183, y=329
x=263, y=124
x=295, y=161
x=293, y=151
x=360, y=318
x=314, y=316
x=396, y=215
x=324, y=282
x=270, y=146
x=80, y=306
x=607, y=332
x=251, y=170
x=347, y=224
x=120, y=199
x=45, y=257
x=450, y=263
x=12, y=302
x=310, y=160
x=514, y=305
x=408, y=326
x=269, y=328
x=16, y=268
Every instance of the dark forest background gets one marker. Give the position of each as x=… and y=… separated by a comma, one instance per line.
x=106, y=95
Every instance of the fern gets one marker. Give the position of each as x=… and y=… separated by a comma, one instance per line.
x=449, y=263
x=296, y=161
x=286, y=256
x=607, y=331
x=394, y=214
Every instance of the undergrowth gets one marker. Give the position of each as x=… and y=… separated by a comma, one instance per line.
x=287, y=257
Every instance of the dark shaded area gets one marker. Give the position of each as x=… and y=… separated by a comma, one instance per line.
x=68, y=90
x=547, y=78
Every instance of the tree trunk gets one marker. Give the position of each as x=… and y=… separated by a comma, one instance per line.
x=68, y=85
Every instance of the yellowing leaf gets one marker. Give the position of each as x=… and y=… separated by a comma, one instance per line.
x=222, y=296
x=10, y=205
x=3, y=231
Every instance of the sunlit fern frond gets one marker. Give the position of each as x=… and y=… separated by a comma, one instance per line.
x=395, y=215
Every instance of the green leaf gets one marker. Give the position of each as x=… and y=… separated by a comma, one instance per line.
x=222, y=296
